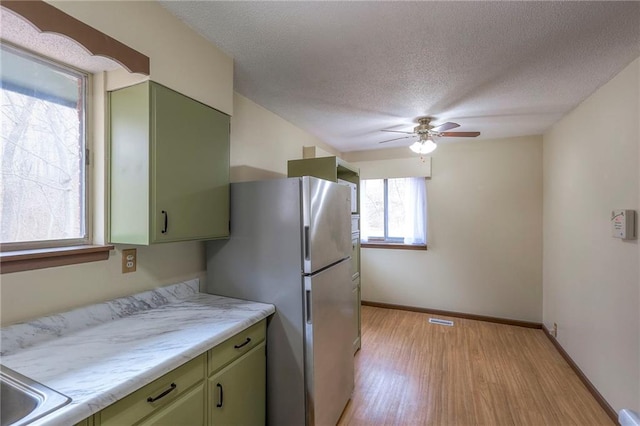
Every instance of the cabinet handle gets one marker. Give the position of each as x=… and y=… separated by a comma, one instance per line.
x=163, y=394
x=246, y=342
x=166, y=221
x=220, y=396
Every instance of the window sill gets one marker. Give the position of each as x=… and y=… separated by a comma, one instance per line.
x=27, y=260
x=393, y=246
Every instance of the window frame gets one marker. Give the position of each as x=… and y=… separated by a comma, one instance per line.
x=385, y=241
x=30, y=255
x=86, y=239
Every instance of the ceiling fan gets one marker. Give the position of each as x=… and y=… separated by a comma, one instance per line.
x=427, y=132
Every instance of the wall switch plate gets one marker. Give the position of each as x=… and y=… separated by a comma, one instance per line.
x=129, y=260
x=623, y=224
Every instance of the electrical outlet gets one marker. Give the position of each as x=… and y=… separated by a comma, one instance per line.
x=129, y=260
x=555, y=330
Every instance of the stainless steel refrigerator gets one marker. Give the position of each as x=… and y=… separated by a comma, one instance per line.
x=290, y=245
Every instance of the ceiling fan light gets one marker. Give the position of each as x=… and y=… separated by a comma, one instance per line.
x=423, y=147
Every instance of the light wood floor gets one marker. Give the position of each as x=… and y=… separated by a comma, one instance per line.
x=410, y=372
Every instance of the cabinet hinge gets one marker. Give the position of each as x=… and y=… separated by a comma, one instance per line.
x=87, y=156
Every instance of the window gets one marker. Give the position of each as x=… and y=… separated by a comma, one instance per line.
x=43, y=200
x=394, y=211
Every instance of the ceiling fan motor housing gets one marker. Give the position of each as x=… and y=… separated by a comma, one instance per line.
x=424, y=126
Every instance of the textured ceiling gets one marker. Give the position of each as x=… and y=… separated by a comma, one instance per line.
x=344, y=70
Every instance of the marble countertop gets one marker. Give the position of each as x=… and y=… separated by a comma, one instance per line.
x=98, y=354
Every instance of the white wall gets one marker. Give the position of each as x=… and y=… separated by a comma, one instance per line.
x=591, y=280
x=484, y=203
x=262, y=142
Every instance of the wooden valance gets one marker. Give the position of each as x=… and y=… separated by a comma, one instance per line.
x=47, y=18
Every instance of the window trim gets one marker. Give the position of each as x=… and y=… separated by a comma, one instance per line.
x=394, y=246
x=27, y=260
x=85, y=240
x=49, y=19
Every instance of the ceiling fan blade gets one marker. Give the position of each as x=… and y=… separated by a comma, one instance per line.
x=445, y=126
x=397, y=131
x=402, y=137
x=460, y=134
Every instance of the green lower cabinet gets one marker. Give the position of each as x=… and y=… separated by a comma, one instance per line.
x=172, y=396
x=237, y=393
x=224, y=386
x=186, y=411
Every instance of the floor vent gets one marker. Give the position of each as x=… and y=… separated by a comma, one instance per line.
x=441, y=321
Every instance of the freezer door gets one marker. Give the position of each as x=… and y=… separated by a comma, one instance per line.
x=326, y=217
x=329, y=318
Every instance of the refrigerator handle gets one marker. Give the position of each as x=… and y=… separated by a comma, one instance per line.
x=307, y=304
x=306, y=242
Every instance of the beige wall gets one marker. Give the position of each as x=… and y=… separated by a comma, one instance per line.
x=174, y=49
x=180, y=58
x=484, y=203
x=591, y=280
x=262, y=142
x=32, y=294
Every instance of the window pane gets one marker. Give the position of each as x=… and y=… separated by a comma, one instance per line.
x=372, y=204
x=397, y=192
x=42, y=131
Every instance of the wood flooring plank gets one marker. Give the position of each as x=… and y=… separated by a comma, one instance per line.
x=411, y=372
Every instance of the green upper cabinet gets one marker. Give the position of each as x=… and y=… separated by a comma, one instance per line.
x=328, y=168
x=169, y=167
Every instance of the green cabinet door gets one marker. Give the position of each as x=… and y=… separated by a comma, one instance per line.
x=190, y=171
x=169, y=171
x=356, y=308
x=237, y=392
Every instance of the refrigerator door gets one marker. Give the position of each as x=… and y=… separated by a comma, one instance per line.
x=329, y=316
x=326, y=217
